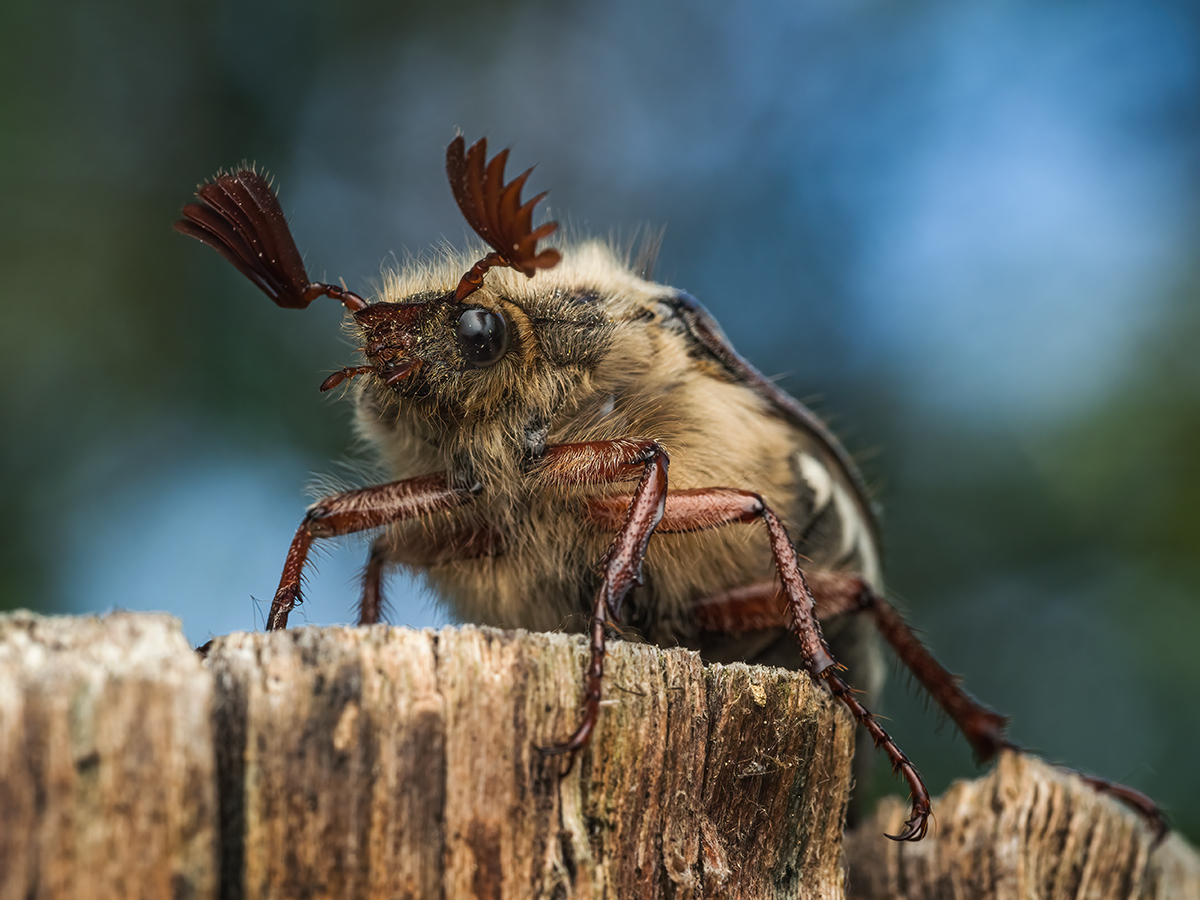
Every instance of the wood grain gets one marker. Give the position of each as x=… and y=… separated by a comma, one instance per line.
x=107, y=784
x=1028, y=830
x=383, y=762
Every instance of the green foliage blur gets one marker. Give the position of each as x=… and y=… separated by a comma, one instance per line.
x=1056, y=563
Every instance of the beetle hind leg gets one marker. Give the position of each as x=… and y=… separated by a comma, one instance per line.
x=758, y=607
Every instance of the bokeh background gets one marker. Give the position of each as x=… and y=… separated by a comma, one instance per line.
x=965, y=232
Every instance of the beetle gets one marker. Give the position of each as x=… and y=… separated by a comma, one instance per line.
x=517, y=396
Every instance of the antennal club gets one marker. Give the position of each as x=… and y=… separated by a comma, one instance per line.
x=495, y=212
x=239, y=216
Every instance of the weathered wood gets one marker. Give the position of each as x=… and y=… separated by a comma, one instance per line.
x=106, y=767
x=1027, y=830
x=384, y=762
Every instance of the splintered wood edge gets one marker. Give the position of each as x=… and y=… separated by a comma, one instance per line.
x=1026, y=830
x=381, y=762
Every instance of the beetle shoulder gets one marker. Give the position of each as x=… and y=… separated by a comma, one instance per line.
x=707, y=342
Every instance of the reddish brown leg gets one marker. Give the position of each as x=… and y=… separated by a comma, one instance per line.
x=428, y=548
x=596, y=463
x=696, y=510
x=835, y=593
x=757, y=607
x=1134, y=799
x=370, y=604
x=358, y=510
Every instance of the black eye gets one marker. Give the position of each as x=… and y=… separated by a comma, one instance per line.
x=483, y=336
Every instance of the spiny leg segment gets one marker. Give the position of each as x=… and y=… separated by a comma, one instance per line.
x=755, y=607
x=598, y=462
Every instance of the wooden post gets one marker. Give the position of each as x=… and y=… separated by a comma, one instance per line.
x=383, y=762
x=1027, y=830
x=107, y=784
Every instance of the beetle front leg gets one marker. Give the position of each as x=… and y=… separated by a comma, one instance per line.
x=358, y=510
x=600, y=462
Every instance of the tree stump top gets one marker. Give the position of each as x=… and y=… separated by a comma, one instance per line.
x=386, y=762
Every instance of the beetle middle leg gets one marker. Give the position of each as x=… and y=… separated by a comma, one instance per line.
x=427, y=548
x=705, y=508
x=371, y=602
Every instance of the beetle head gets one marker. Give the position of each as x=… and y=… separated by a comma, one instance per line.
x=426, y=344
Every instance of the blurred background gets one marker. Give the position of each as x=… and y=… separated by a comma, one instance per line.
x=965, y=233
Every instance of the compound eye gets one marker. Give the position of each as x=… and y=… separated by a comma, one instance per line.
x=483, y=336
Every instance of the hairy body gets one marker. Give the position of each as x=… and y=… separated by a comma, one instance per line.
x=602, y=355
